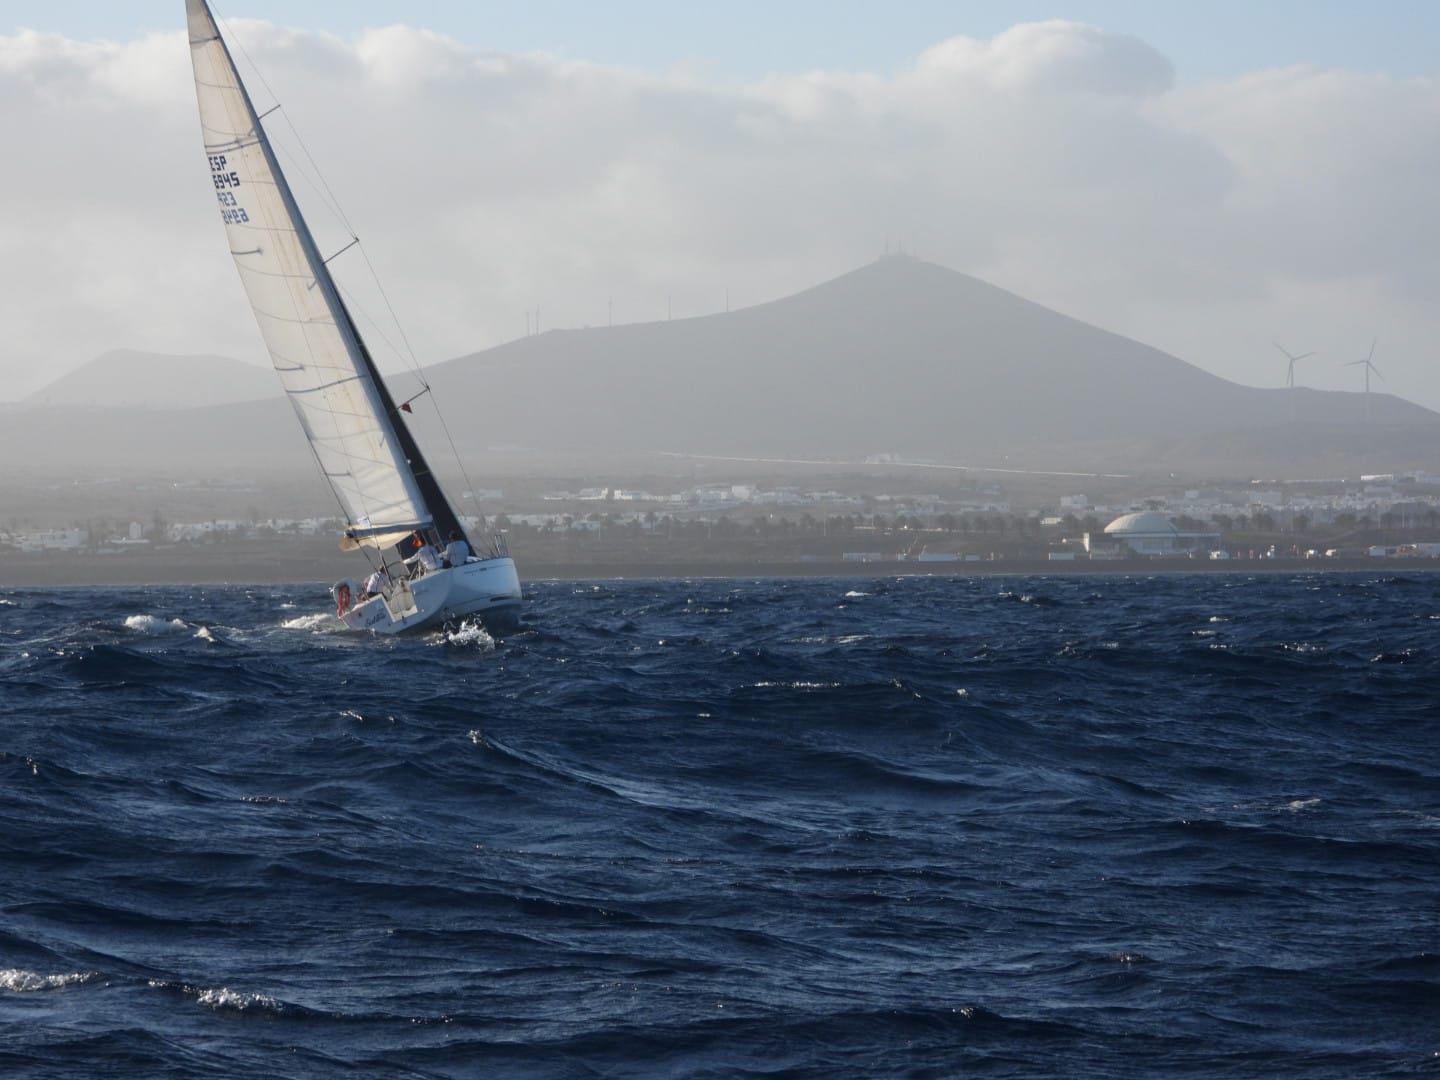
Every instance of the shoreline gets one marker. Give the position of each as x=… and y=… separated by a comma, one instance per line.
x=50, y=570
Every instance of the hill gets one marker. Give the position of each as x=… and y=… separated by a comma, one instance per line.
x=898, y=357
x=909, y=357
x=125, y=377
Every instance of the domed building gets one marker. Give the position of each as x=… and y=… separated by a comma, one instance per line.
x=1150, y=532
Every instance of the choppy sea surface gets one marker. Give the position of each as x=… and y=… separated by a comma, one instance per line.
x=1180, y=825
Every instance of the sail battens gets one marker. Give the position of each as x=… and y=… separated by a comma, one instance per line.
x=322, y=388
x=294, y=320
x=361, y=445
x=362, y=449
x=230, y=144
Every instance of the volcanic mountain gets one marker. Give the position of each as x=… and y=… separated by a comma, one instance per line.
x=907, y=357
x=125, y=377
x=898, y=357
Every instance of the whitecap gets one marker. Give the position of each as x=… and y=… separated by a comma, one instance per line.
x=24, y=982
x=224, y=998
x=149, y=624
x=320, y=620
x=855, y=594
x=221, y=998
x=468, y=634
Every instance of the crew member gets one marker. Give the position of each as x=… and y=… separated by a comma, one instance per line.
x=457, y=551
x=376, y=582
x=425, y=559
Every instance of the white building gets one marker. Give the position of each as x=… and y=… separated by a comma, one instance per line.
x=1151, y=533
x=55, y=540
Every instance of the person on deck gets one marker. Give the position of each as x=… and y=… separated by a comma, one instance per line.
x=425, y=559
x=376, y=582
x=457, y=551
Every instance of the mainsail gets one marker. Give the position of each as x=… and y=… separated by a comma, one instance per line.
x=362, y=446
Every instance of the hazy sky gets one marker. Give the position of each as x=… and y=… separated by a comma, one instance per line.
x=1205, y=178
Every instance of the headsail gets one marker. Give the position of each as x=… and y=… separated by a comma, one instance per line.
x=338, y=396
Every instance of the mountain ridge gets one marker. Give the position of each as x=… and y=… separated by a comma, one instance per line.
x=899, y=355
x=896, y=357
x=151, y=380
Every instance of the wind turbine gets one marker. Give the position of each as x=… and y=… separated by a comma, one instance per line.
x=1369, y=367
x=1290, y=373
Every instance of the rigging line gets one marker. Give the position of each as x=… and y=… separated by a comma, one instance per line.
x=326, y=195
x=332, y=206
x=353, y=305
x=315, y=176
x=316, y=183
x=464, y=475
x=424, y=382
x=324, y=184
x=399, y=326
x=230, y=37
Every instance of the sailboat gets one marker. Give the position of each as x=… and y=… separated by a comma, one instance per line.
x=395, y=510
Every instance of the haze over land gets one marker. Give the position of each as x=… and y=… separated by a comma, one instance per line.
x=1086, y=167
x=899, y=357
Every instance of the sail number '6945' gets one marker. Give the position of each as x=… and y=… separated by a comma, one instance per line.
x=233, y=213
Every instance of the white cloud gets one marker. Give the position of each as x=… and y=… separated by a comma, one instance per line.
x=1057, y=160
x=1052, y=58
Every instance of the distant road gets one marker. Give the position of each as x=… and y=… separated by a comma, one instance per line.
x=840, y=463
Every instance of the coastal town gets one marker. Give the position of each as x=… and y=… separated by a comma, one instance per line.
x=848, y=522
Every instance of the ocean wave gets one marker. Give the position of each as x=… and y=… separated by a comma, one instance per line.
x=467, y=635
x=726, y=828
x=19, y=981
x=153, y=624
x=315, y=622
x=223, y=999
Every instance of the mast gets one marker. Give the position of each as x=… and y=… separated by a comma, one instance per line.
x=444, y=517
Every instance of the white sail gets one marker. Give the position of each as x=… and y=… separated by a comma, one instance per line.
x=310, y=337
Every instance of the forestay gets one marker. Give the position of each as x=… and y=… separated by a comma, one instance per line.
x=310, y=337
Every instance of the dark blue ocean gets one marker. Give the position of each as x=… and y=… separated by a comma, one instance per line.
x=1165, y=826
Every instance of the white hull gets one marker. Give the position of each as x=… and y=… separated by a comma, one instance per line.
x=484, y=588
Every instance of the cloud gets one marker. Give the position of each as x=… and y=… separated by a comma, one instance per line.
x=1056, y=159
x=1054, y=57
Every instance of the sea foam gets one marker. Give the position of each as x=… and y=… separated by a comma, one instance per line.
x=151, y=624
x=20, y=981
